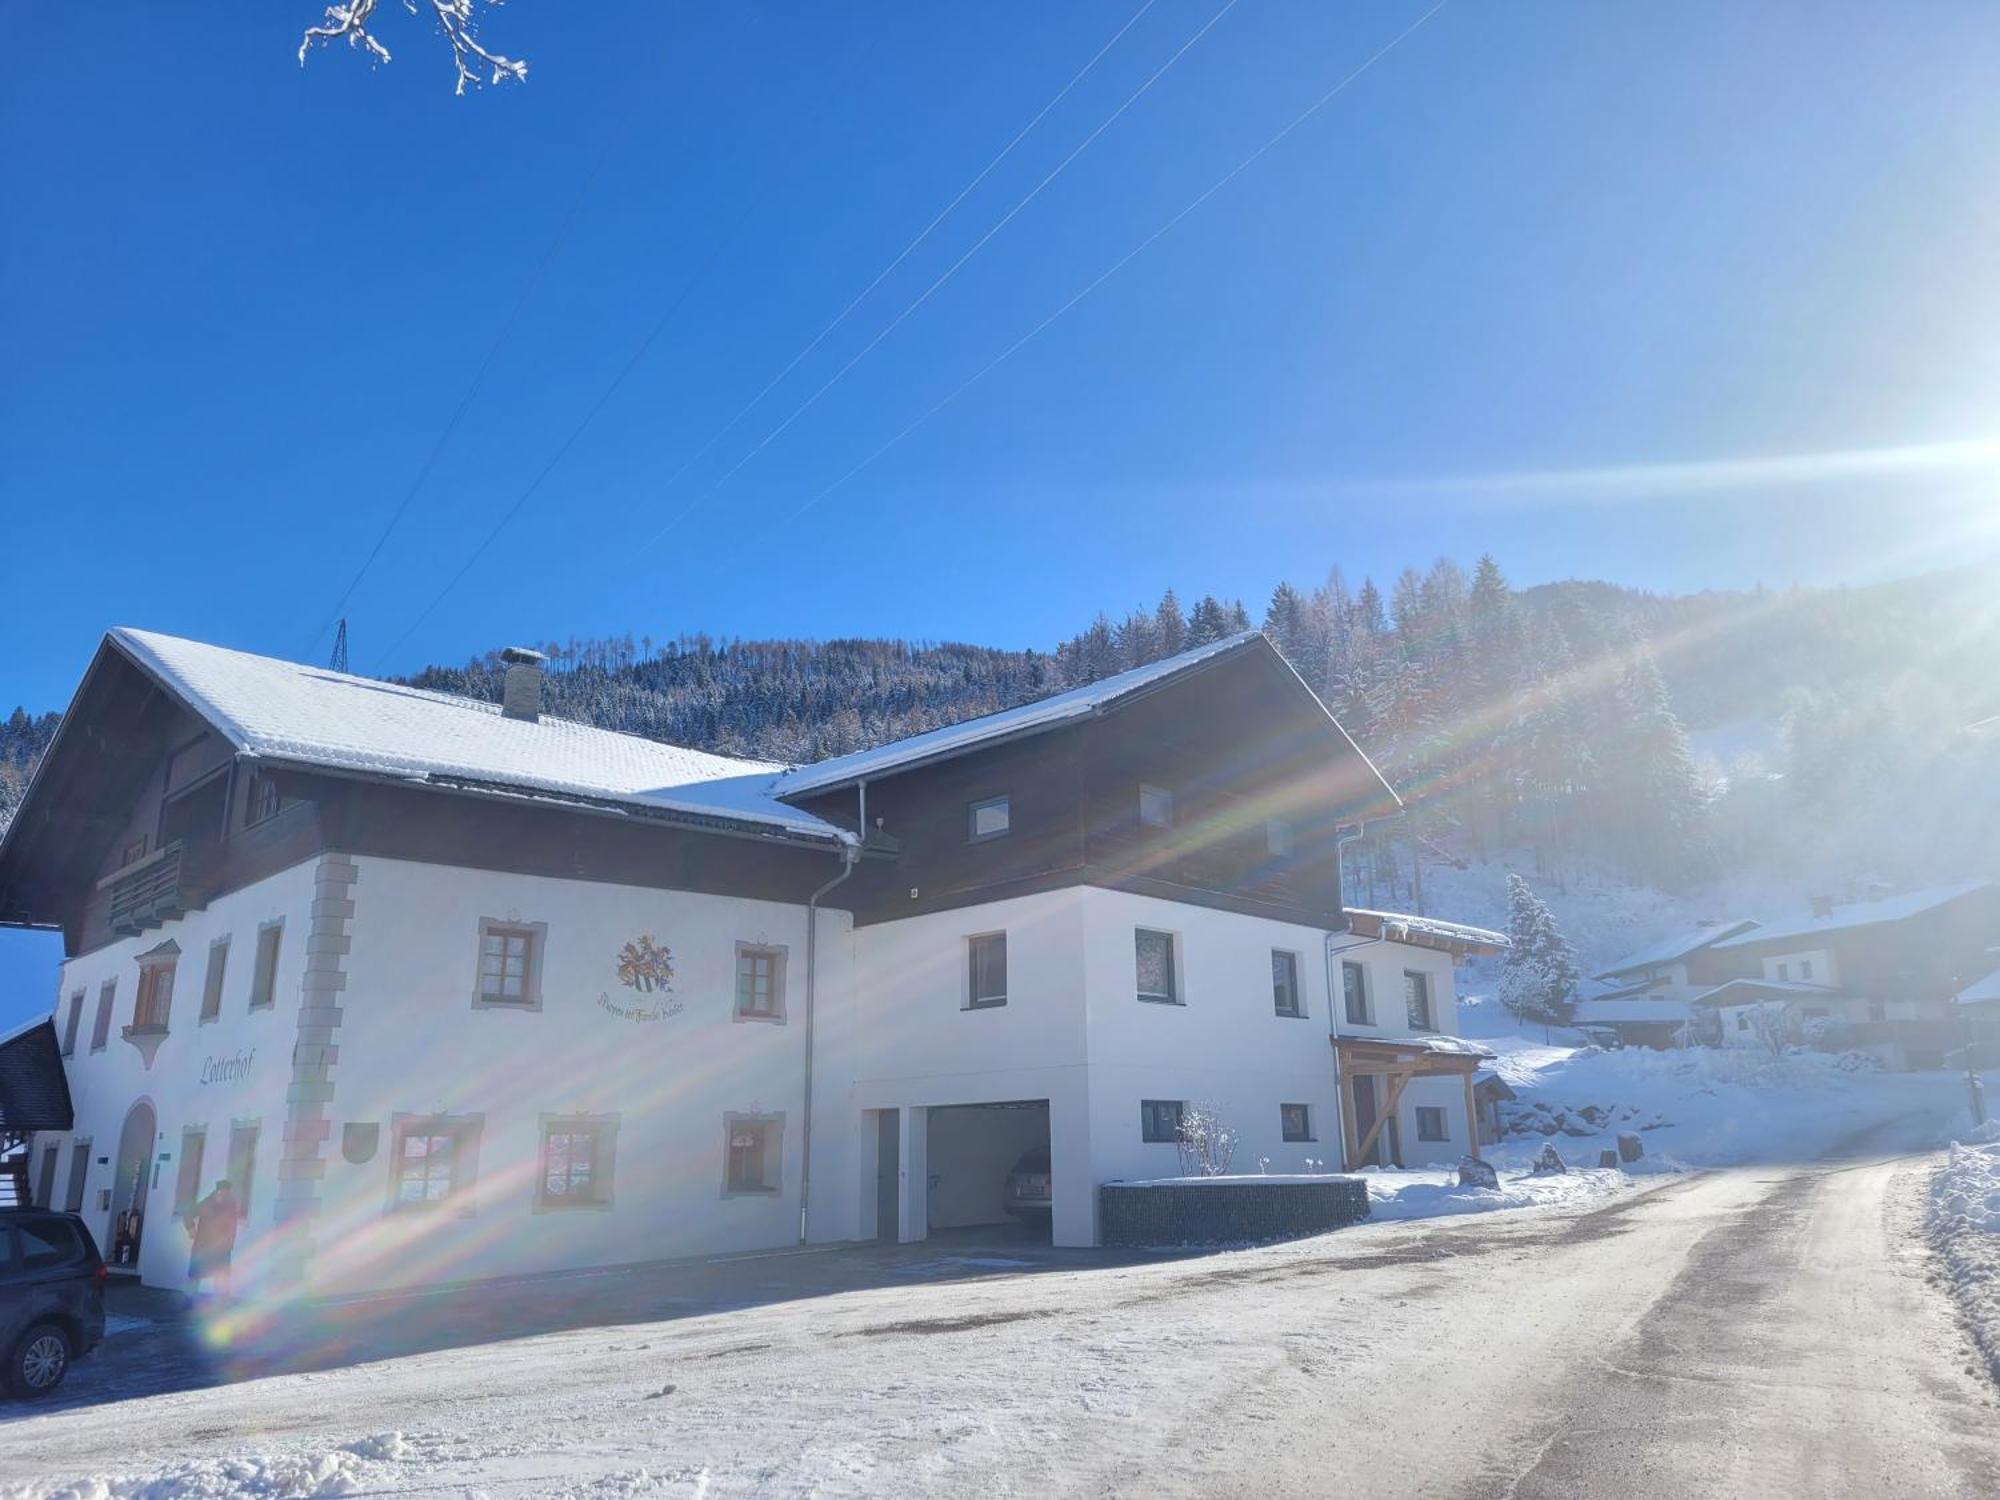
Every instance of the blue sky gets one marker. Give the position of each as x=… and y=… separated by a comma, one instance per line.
x=1478, y=301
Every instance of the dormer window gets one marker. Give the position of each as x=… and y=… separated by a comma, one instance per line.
x=988, y=819
x=1156, y=806
x=263, y=801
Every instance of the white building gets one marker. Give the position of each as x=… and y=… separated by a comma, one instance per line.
x=449, y=989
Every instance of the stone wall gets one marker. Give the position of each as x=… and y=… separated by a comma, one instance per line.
x=1221, y=1213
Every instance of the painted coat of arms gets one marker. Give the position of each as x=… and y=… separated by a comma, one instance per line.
x=646, y=966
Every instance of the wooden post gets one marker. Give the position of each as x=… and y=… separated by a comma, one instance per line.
x=1471, y=1119
x=1385, y=1112
x=1344, y=1083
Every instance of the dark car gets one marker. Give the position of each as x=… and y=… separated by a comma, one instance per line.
x=51, y=1297
x=1027, y=1194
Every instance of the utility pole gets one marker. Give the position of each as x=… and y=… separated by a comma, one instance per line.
x=339, y=661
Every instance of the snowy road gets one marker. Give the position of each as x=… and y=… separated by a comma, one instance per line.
x=1747, y=1332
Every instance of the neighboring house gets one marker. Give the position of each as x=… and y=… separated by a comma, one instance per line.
x=448, y=989
x=1489, y=1092
x=1884, y=973
x=1650, y=999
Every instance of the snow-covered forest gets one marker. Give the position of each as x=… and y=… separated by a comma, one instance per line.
x=1817, y=733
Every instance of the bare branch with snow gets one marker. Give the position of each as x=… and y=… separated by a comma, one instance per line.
x=455, y=20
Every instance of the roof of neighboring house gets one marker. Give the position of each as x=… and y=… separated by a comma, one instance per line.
x=1860, y=914
x=1981, y=991
x=291, y=714
x=1603, y=1012
x=1673, y=949
x=1748, y=991
x=1492, y=1085
x=1035, y=718
x=1425, y=932
x=34, y=1094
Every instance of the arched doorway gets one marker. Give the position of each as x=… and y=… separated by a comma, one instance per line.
x=130, y=1181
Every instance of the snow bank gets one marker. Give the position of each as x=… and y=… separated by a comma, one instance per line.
x=1427, y=1194
x=1964, y=1226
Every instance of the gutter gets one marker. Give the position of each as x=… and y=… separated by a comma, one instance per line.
x=850, y=856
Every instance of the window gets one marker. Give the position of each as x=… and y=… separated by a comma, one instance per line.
x=1354, y=993
x=1156, y=806
x=187, y=1186
x=70, y=1025
x=577, y=1152
x=48, y=1243
x=1430, y=1123
x=436, y=1159
x=986, y=965
x=988, y=819
x=134, y=851
x=211, y=983
x=1160, y=1119
x=1297, y=1121
x=1742, y=1020
x=264, y=982
x=1157, y=979
x=1417, y=998
x=760, y=982
x=79, y=1170
x=753, y=1146
x=1278, y=838
x=1877, y=1011
x=510, y=964
x=100, y=1026
x=1805, y=968
x=242, y=1163
x=1285, y=983
x=262, y=802
x=1784, y=972
x=156, y=994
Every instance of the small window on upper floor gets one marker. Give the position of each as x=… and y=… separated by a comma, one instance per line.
x=70, y=1025
x=264, y=978
x=1784, y=972
x=1285, y=983
x=1417, y=1000
x=1805, y=968
x=211, y=987
x=986, y=966
x=1354, y=993
x=100, y=1027
x=134, y=851
x=1278, y=838
x=510, y=964
x=1158, y=973
x=1156, y=806
x=760, y=982
x=156, y=993
x=988, y=819
x=261, y=802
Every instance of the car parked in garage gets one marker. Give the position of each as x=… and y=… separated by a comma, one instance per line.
x=51, y=1297
x=1027, y=1195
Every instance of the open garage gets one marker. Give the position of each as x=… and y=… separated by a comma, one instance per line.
x=969, y=1151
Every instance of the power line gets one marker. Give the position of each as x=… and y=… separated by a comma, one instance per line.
x=950, y=271
x=575, y=432
x=905, y=253
x=471, y=392
x=1126, y=259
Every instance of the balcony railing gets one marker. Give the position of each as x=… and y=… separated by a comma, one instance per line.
x=157, y=889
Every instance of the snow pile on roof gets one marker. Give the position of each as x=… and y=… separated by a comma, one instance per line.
x=1981, y=991
x=1797, y=988
x=1601, y=1012
x=1397, y=925
x=1861, y=914
x=1045, y=713
x=1672, y=949
x=284, y=712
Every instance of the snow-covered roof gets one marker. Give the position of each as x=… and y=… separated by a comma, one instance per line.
x=1981, y=991
x=1669, y=950
x=1603, y=1012
x=1402, y=927
x=1010, y=723
x=1860, y=914
x=1781, y=988
x=298, y=715
x=1434, y=1043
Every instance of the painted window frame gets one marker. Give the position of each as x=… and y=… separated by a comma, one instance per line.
x=535, y=937
x=264, y=972
x=460, y=1192
x=1295, y=1124
x=603, y=1133
x=74, y=1023
x=974, y=942
x=1296, y=1010
x=780, y=960
x=973, y=835
x=153, y=998
x=1160, y=1121
x=1176, y=993
x=1362, y=992
x=187, y=1175
x=1417, y=986
x=212, y=979
x=100, y=1025
x=77, y=1187
x=771, y=1152
x=1153, y=802
x=1435, y=1113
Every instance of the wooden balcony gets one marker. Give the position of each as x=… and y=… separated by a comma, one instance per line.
x=163, y=886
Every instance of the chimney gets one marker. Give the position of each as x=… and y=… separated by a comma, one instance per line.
x=1822, y=906
x=521, y=698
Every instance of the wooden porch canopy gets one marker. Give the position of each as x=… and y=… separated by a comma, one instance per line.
x=1399, y=1059
x=1456, y=938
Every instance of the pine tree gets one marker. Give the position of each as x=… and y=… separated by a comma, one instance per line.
x=1539, y=976
x=1208, y=623
x=1285, y=622
x=1172, y=628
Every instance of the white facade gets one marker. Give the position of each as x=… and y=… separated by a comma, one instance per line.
x=661, y=1079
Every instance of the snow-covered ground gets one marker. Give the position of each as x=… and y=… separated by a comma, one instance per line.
x=1964, y=1226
